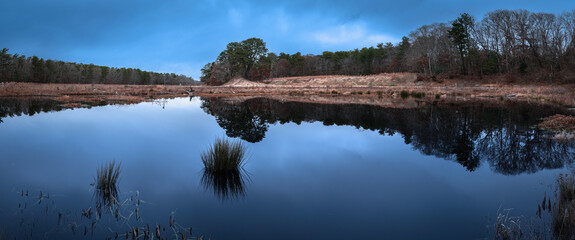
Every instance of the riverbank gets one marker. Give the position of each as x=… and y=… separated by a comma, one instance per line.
x=381, y=89
x=93, y=93
x=358, y=89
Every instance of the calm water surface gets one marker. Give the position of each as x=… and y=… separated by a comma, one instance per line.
x=314, y=171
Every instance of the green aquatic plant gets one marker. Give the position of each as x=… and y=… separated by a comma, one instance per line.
x=106, y=183
x=224, y=155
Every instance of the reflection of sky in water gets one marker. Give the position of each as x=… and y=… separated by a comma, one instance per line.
x=305, y=181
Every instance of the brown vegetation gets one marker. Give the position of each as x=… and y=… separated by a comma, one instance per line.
x=357, y=89
x=558, y=123
x=93, y=93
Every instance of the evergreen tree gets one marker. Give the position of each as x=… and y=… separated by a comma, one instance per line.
x=460, y=34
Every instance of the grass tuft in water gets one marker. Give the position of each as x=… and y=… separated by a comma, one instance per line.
x=224, y=155
x=223, y=168
x=107, y=183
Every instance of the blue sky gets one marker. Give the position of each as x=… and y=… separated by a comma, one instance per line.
x=181, y=36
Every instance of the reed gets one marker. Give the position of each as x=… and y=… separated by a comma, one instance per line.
x=564, y=211
x=508, y=227
x=224, y=155
x=107, y=182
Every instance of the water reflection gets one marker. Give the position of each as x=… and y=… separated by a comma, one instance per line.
x=470, y=133
x=226, y=185
x=240, y=121
x=10, y=107
x=224, y=172
x=106, y=183
x=17, y=106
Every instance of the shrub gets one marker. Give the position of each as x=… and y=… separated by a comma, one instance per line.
x=404, y=94
x=417, y=94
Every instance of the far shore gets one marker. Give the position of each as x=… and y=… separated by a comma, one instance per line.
x=92, y=93
x=372, y=89
x=368, y=89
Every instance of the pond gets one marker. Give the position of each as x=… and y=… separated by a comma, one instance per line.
x=315, y=171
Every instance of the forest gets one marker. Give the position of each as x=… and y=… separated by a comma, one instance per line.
x=19, y=68
x=518, y=45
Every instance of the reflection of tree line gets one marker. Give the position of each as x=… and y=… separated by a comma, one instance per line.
x=500, y=133
x=10, y=107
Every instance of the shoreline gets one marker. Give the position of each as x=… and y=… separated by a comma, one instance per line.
x=374, y=90
x=92, y=93
x=395, y=86
x=405, y=95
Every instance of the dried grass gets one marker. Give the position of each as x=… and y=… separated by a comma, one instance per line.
x=564, y=212
x=558, y=122
x=224, y=155
x=93, y=92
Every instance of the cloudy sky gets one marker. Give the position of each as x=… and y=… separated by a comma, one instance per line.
x=181, y=36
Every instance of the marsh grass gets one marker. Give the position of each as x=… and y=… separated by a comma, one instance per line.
x=106, y=183
x=564, y=209
x=224, y=155
x=508, y=227
x=47, y=220
x=223, y=168
x=556, y=216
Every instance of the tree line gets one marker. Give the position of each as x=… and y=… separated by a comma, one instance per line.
x=516, y=44
x=19, y=68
